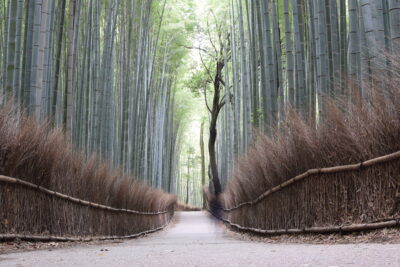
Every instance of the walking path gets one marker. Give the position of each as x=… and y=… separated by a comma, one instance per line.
x=196, y=239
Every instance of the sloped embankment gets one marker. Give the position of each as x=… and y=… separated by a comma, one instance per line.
x=56, y=192
x=294, y=180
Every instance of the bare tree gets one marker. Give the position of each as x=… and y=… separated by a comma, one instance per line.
x=214, y=75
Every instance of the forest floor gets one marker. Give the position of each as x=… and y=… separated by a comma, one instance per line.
x=196, y=239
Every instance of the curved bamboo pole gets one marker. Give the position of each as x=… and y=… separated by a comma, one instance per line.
x=83, y=239
x=317, y=230
x=11, y=180
x=311, y=172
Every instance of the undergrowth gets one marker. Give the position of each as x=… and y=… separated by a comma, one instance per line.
x=349, y=132
x=34, y=152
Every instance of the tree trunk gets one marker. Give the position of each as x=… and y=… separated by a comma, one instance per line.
x=216, y=107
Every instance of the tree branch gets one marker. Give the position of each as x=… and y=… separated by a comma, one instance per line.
x=222, y=81
x=198, y=48
x=210, y=39
x=221, y=105
x=205, y=98
x=205, y=66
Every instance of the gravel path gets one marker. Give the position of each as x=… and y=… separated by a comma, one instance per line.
x=195, y=239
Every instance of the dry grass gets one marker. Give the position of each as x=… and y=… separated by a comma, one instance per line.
x=35, y=153
x=350, y=133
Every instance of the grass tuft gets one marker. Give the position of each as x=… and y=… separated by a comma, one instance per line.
x=350, y=132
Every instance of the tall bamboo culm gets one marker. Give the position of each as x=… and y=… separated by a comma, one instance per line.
x=296, y=53
x=100, y=70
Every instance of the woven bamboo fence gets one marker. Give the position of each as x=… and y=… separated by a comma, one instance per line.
x=354, y=197
x=31, y=212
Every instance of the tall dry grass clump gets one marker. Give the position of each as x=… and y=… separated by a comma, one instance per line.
x=348, y=133
x=40, y=155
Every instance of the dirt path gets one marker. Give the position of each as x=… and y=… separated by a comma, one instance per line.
x=195, y=239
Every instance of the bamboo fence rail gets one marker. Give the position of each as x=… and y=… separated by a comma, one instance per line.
x=363, y=196
x=32, y=212
x=10, y=180
x=5, y=237
x=342, y=168
x=316, y=229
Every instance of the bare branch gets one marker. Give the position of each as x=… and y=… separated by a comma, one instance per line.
x=221, y=105
x=200, y=49
x=205, y=98
x=223, y=101
x=205, y=66
x=222, y=81
x=210, y=39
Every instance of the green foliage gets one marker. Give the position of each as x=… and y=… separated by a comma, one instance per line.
x=197, y=82
x=178, y=26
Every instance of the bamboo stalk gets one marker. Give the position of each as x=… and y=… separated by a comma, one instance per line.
x=352, y=167
x=9, y=180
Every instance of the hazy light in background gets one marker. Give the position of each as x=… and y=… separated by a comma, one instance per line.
x=201, y=6
x=192, y=131
x=198, y=111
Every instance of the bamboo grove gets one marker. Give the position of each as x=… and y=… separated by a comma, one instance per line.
x=103, y=70
x=111, y=73
x=296, y=53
